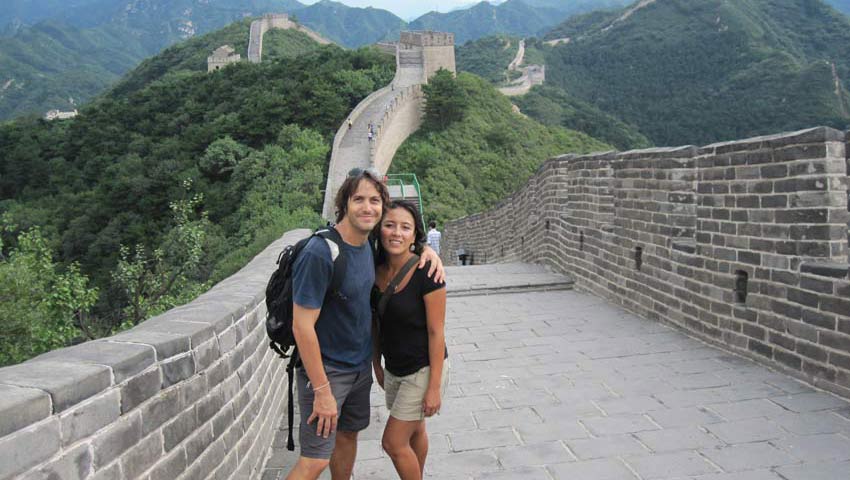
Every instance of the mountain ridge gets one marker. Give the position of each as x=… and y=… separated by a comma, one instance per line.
x=700, y=71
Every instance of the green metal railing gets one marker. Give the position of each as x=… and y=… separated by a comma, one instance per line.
x=408, y=179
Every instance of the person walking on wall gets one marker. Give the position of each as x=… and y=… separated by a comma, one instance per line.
x=434, y=236
x=410, y=327
x=333, y=331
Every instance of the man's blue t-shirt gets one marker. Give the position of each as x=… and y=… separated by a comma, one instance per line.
x=344, y=325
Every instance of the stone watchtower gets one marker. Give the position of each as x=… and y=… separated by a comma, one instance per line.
x=437, y=50
x=221, y=57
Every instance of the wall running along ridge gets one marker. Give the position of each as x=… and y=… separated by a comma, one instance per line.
x=194, y=393
x=403, y=117
x=772, y=208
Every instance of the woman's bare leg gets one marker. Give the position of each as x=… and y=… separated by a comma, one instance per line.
x=398, y=436
x=419, y=444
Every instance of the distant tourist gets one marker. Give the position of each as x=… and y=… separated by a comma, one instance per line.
x=333, y=330
x=434, y=236
x=411, y=339
x=369, y=135
x=349, y=123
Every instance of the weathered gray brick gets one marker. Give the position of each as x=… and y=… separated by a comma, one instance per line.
x=29, y=447
x=124, y=360
x=166, y=345
x=160, y=410
x=198, y=442
x=142, y=456
x=116, y=439
x=67, y=383
x=177, y=369
x=90, y=416
x=206, y=353
x=20, y=407
x=110, y=472
x=169, y=466
x=180, y=428
x=204, y=465
x=140, y=388
x=75, y=464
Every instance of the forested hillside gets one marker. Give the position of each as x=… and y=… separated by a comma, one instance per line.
x=54, y=65
x=553, y=106
x=474, y=150
x=698, y=71
x=168, y=185
x=487, y=57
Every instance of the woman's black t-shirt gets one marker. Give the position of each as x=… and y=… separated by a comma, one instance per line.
x=404, y=328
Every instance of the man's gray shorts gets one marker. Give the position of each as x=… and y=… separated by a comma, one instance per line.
x=351, y=390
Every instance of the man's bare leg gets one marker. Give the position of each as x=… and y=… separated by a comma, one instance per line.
x=345, y=451
x=307, y=469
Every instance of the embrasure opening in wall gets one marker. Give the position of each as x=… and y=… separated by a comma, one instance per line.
x=638, y=257
x=741, y=280
x=581, y=240
x=547, y=224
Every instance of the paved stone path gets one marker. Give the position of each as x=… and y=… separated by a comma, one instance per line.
x=563, y=385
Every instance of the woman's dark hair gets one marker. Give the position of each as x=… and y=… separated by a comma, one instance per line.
x=350, y=185
x=419, y=236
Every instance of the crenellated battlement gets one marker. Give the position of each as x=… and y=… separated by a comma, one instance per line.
x=427, y=38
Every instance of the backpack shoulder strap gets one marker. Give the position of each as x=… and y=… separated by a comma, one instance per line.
x=334, y=240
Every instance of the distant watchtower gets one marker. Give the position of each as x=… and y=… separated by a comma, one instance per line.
x=222, y=56
x=438, y=50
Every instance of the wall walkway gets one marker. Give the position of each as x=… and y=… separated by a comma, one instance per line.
x=394, y=111
x=675, y=233
x=191, y=394
x=268, y=22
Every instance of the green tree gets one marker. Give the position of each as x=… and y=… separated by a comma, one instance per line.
x=42, y=305
x=157, y=280
x=445, y=100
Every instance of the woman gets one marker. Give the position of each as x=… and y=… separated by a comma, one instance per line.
x=411, y=339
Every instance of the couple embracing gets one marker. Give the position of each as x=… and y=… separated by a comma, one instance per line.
x=334, y=333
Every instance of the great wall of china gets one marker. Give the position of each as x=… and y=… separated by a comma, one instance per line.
x=743, y=244
x=394, y=111
x=194, y=393
x=271, y=21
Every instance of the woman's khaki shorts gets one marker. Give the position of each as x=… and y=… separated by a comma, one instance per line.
x=405, y=394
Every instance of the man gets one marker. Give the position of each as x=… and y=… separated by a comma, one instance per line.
x=434, y=236
x=333, y=332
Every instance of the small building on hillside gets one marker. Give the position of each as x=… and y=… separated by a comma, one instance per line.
x=221, y=57
x=59, y=115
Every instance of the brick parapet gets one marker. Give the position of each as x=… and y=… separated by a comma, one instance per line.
x=192, y=393
x=698, y=219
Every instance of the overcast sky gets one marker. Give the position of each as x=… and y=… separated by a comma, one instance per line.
x=406, y=9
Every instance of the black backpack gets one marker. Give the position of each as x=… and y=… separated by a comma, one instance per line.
x=279, y=305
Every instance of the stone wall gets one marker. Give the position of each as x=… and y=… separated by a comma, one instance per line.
x=744, y=244
x=437, y=49
x=402, y=117
x=194, y=393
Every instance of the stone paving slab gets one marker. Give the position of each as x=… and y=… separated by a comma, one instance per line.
x=563, y=385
